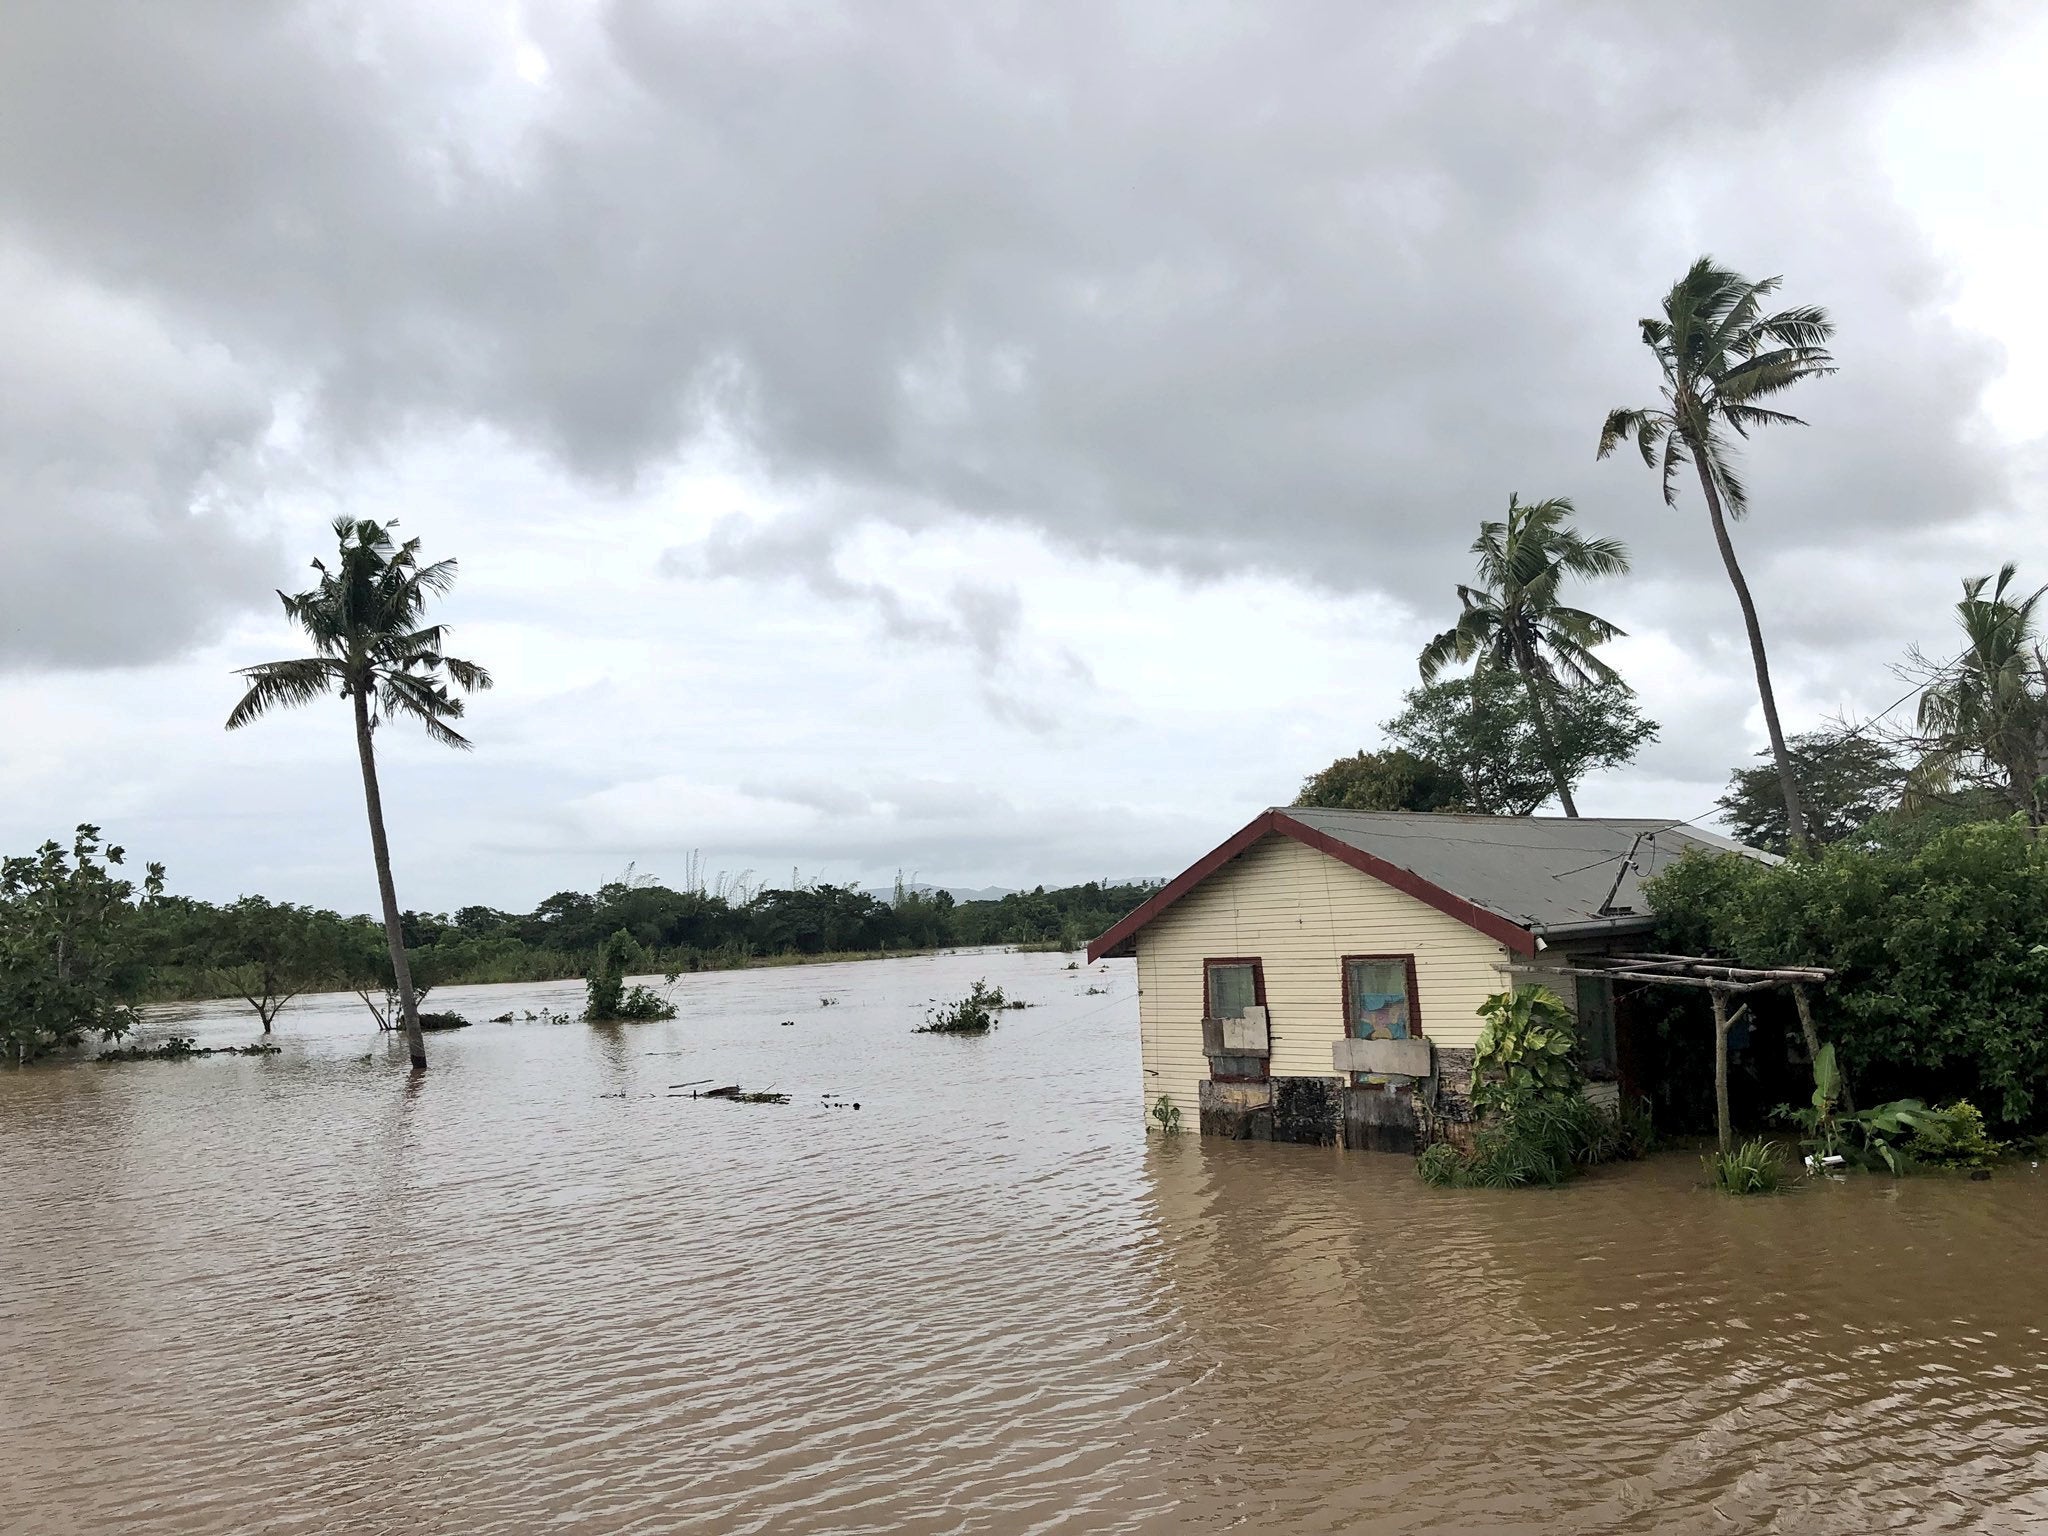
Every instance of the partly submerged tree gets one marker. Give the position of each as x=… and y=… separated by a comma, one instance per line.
x=71, y=956
x=1984, y=719
x=367, y=622
x=287, y=950
x=1720, y=354
x=1391, y=780
x=1514, y=622
x=1847, y=778
x=1478, y=729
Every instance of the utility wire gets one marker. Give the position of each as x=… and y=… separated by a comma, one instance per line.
x=1848, y=735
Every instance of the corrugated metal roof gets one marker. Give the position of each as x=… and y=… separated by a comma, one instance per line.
x=1541, y=872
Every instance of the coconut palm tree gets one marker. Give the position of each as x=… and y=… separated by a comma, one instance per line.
x=1991, y=708
x=366, y=619
x=1514, y=624
x=1720, y=354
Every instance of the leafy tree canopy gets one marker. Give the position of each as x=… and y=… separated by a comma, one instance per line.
x=1479, y=729
x=1846, y=780
x=1941, y=955
x=1393, y=780
x=70, y=961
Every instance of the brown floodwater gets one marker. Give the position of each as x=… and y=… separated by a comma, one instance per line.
x=534, y=1290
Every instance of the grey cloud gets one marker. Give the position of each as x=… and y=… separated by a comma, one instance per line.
x=984, y=619
x=119, y=442
x=1306, y=289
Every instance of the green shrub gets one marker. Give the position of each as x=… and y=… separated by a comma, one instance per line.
x=608, y=999
x=1442, y=1165
x=1167, y=1113
x=1528, y=1049
x=1940, y=952
x=1954, y=1137
x=1635, y=1133
x=1750, y=1169
x=1525, y=1074
x=1539, y=1141
x=974, y=1014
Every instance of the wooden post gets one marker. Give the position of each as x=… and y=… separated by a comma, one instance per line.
x=1721, y=1068
x=1806, y=1027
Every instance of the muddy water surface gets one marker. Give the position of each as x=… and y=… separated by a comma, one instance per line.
x=537, y=1291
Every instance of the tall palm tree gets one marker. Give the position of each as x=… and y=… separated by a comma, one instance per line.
x=1513, y=622
x=366, y=619
x=1993, y=709
x=1720, y=354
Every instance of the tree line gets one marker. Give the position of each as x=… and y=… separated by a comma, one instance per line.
x=80, y=944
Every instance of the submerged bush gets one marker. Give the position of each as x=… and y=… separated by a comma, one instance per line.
x=1750, y=1169
x=1545, y=1140
x=1525, y=1075
x=1954, y=1137
x=974, y=1014
x=608, y=999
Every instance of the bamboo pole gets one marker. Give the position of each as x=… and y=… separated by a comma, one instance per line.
x=1721, y=1116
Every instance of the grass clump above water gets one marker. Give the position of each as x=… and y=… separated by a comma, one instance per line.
x=1543, y=1140
x=1750, y=1169
x=974, y=1014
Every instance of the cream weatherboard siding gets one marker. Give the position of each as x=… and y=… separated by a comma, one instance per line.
x=1298, y=912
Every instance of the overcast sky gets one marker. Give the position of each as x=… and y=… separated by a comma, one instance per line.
x=1004, y=442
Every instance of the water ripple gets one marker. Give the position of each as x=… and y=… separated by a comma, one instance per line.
x=539, y=1289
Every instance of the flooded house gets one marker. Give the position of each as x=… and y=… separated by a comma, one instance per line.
x=1318, y=976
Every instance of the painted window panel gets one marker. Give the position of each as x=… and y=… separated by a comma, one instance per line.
x=1381, y=1008
x=1232, y=989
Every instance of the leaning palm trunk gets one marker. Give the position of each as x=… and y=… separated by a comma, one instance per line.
x=1795, y=817
x=1540, y=719
x=394, y=928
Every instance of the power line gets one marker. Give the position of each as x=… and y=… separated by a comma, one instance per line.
x=1848, y=735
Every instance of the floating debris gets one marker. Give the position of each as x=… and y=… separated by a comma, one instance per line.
x=184, y=1048
x=738, y=1095
x=505, y=1017
x=433, y=1021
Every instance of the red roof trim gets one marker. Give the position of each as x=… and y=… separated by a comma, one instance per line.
x=1186, y=881
x=1492, y=924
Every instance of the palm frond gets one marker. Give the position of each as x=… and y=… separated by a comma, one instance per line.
x=1626, y=422
x=1745, y=418
x=281, y=685
x=1578, y=662
x=1675, y=458
x=466, y=675
x=1805, y=326
x=1769, y=373
x=431, y=706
